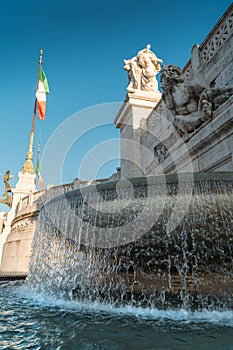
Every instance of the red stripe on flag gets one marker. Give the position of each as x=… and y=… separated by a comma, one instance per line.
x=41, y=106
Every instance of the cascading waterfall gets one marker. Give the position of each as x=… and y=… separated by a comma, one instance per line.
x=159, y=241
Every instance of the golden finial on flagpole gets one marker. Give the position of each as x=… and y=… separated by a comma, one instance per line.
x=41, y=55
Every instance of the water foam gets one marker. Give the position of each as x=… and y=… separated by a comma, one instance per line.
x=215, y=317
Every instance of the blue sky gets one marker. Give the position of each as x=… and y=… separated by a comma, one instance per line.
x=84, y=44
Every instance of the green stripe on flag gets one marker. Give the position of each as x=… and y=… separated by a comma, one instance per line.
x=44, y=81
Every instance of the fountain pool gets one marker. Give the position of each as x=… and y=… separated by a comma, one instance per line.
x=158, y=242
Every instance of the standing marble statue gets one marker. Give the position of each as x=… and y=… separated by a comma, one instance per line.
x=142, y=70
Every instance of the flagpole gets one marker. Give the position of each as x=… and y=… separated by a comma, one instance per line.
x=28, y=165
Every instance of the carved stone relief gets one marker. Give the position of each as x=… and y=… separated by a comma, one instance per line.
x=190, y=104
x=161, y=152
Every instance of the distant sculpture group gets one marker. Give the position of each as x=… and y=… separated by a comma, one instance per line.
x=142, y=70
x=190, y=104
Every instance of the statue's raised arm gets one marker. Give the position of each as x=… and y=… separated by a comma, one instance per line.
x=6, y=178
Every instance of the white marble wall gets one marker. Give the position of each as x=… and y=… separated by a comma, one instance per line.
x=210, y=147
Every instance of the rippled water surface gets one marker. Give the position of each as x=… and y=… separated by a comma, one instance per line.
x=30, y=321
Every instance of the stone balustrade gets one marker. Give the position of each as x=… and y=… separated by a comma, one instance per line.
x=33, y=202
x=217, y=37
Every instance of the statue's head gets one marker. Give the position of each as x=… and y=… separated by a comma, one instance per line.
x=206, y=108
x=171, y=74
x=127, y=65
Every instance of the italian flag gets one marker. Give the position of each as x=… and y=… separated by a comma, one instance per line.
x=42, y=91
x=38, y=169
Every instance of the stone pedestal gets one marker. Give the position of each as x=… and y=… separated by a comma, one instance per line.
x=25, y=185
x=8, y=252
x=136, y=107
